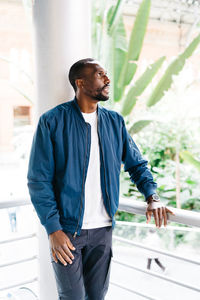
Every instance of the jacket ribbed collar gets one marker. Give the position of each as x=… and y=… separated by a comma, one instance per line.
x=77, y=108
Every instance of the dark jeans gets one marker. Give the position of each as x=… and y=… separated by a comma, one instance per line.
x=87, y=278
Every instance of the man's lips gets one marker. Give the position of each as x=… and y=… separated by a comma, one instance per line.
x=106, y=88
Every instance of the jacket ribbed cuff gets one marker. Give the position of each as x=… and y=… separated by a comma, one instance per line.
x=52, y=226
x=149, y=192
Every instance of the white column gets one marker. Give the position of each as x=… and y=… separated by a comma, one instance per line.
x=62, y=35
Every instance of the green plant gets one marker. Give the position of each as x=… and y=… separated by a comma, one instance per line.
x=121, y=57
x=160, y=148
x=188, y=157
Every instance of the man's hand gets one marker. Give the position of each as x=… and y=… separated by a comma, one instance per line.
x=60, y=246
x=159, y=211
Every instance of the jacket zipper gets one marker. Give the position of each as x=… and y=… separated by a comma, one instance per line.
x=75, y=234
x=103, y=166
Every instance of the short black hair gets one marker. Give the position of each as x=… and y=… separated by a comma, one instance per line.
x=77, y=70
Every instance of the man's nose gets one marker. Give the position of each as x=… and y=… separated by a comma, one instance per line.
x=106, y=79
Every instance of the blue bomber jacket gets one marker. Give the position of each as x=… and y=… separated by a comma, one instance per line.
x=59, y=161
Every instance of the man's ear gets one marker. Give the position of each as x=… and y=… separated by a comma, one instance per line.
x=79, y=83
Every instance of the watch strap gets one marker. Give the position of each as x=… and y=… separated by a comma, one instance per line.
x=153, y=198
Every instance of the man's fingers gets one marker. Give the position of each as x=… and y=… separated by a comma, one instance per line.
x=159, y=212
x=155, y=213
x=63, y=254
x=169, y=211
x=165, y=216
x=66, y=256
x=160, y=216
x=61, y=259
x=148, y=216
x=69, y=244
x=68, y=252
x=54, y=256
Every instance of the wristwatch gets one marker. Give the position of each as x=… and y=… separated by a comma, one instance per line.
x=153, y=198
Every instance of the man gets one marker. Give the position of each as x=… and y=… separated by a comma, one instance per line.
x=153, y=240
x=73, y=181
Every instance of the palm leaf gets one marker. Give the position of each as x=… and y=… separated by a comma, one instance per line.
x=174, y=68
x=140, y=85
x=188, y=157
x=97, y=27
x=119, y=58
x=113, y=16
x=137, y=126
x=135, y=43
x=119, y=55
x=129, y=103
x=139, y=30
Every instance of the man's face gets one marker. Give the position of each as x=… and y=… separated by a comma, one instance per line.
x=96, y=82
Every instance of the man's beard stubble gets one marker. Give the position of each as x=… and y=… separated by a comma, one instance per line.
x=100, y=96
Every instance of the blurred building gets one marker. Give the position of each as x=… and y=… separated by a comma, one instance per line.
x=15, y=68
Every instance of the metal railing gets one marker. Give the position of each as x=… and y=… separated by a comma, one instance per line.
x=18, y=238
x=133, y=292
x=167, y=253
x=21, y=283
x=181, y=216
x=151, y=273
x=14, y=203
x=9, y=204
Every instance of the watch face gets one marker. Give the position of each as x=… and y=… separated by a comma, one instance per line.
x=155, y=197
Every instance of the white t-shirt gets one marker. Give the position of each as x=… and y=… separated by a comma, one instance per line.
x=95, y=214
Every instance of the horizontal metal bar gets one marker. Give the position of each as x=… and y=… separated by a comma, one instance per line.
x=18, y=238
x=15, y=262
x=154, y=274
x=18, y=284
x=132, y=291
x=14, y=203
x=167, y=253
x=181, y=216
x=169, y=227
